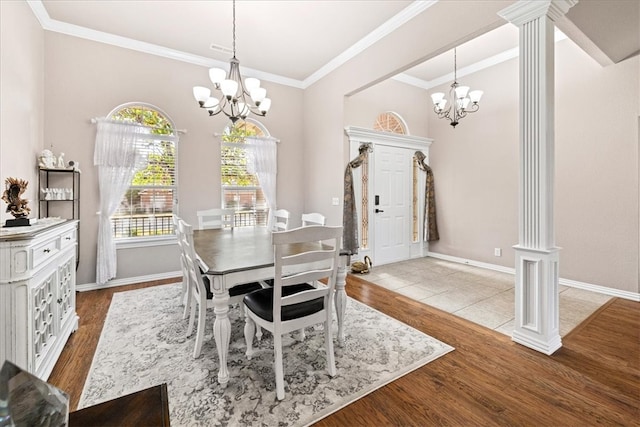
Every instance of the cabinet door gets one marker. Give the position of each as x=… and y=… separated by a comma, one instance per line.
x=66, y=294
x=44, y=328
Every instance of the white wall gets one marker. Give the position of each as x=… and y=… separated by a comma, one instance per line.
x=22, y=100
x=362, y=109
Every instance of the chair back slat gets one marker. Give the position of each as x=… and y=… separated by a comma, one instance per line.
x=304, y=296
x=313, y=218
x=215, y=218
x=280, y=220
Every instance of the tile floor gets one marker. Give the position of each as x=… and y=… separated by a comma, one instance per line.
x=482, y=296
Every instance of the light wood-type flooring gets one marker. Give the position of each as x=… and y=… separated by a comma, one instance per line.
x=594, y=379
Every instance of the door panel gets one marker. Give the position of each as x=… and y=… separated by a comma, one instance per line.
x=393, y=212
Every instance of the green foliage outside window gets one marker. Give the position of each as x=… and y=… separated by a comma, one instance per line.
x=161, y=158
x=233, y=158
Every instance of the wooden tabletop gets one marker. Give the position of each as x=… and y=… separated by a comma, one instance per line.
x=224, y=251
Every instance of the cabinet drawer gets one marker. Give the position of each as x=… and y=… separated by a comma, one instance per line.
x=68, y=238
x=45, y=251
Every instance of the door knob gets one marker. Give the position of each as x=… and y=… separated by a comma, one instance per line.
x=379, y=210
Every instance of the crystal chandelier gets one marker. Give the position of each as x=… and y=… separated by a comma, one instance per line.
x=237, y=98
x=461, y=98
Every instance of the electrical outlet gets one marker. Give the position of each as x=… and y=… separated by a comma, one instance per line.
x=497, y=252
x=335, y=201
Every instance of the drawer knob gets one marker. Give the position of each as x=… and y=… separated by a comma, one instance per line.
x=47, y=250
x=68, y=238
x=59, y=300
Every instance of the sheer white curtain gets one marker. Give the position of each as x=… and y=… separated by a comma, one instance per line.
x=117, y=160
x=262, y=159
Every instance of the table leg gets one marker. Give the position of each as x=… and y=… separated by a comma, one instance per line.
x=221, y=327
x=340, y=297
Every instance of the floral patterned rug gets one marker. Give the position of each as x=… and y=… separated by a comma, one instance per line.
x=143, y=344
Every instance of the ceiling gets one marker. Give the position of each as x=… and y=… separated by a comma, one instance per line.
x=297, y=42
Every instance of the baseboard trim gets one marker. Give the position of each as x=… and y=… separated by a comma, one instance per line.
x=128, y=281
x=633, y=296
x=472, y=263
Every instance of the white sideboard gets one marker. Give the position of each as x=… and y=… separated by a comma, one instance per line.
x=37, y=293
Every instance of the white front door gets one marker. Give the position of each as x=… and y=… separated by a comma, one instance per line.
x=392, y=204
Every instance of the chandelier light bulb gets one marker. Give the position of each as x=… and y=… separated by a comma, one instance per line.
x=211, y=103
x=258, y=94
x=251, y=83
x=243, y=110
x=201, y=94
x=475, y=96
x=229, y=88
x=217, y=76
x=265, y=105
x=461, y=91
x=437, y=97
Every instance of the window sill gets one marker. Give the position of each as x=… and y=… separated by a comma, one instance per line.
x=145, y=242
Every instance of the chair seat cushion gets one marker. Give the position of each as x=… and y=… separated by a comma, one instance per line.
x=245, y=288
x=261, y=303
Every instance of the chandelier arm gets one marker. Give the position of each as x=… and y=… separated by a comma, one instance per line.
x=474, y=107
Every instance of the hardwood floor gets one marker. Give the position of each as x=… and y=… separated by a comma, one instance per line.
x=594, y=379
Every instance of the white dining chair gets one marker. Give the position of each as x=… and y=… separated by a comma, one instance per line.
x=186, y=301
x=292, y=303
x=215, y=218
x=313, y=218
x=280, y=220
x=198, y=293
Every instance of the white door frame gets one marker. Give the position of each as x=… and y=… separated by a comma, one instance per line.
x=358, y=136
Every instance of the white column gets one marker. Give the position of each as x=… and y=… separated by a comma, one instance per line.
x=537, y=257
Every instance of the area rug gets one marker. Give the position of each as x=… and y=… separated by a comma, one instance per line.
x=143, y=344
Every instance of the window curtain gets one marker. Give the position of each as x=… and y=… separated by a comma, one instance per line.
x=262, y=159
x=430, y=226
x=349, y=212
x=117, y=160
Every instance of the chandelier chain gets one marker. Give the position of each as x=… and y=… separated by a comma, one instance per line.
x=455, y=65
x=234, y=28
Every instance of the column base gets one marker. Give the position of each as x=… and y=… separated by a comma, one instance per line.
x=546, y=347
x=537, y=314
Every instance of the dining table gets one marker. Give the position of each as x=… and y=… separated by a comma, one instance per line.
x=233, y=256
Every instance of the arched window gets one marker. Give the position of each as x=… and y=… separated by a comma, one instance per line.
x=241, y=189
x=391, y=122
x=149, y=203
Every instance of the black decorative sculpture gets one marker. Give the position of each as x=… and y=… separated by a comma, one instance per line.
x=16, y=205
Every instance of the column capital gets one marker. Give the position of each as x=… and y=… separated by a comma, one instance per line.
x=525, y=11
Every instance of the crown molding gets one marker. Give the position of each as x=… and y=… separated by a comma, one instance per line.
x=388, y=27
x=470, y=69
x=401, y=18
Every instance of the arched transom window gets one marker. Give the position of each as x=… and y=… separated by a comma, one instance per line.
x=391, y=122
